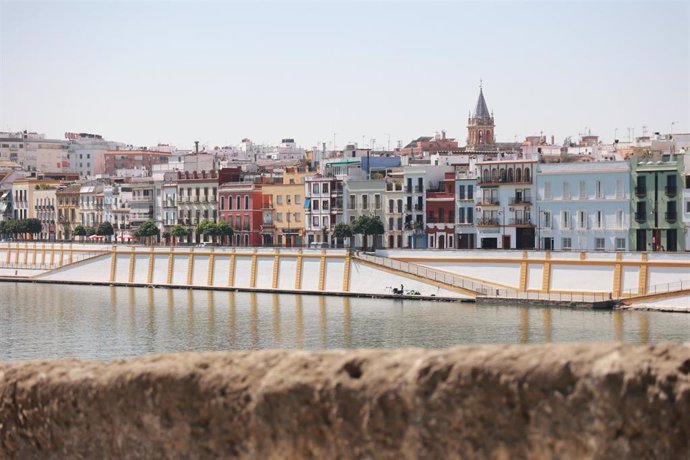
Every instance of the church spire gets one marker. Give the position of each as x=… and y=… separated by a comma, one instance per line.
x=480, y=126
x=481, y=111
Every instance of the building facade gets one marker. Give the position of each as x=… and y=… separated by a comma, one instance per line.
x=583, y=206
x=241, y=205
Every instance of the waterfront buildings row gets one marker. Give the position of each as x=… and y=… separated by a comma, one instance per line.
x=432, y=193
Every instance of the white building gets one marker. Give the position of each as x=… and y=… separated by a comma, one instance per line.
x=583, y=206
x=323, y=207
x=465, y=231
x=86, y=153
x=504, y=203
x=416, y=179
x=365, y=198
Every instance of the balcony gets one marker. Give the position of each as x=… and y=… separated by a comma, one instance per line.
x=488, y=222
x=521, y=221
x=671, y=216
x=488, y=202
x=640, y=191
x=520, y=200
x=671, y=190
x=640, y=217
x=419, y=189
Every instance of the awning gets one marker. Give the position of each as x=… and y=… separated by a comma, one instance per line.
x=307, y=203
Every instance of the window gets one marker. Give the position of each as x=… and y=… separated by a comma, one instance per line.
x=325, y=221
x=687, y=206
x=365, y=201
x=279, y=199
x=222, y=203
x=390, y=223
x=315, y=205
x=470, y=215
x=470, y=192
x=566, y=190
x=619, y=189
x=298, y=199
x=324, y=188
x=400, y=223
x=461, y=215
x=391, y=206
x=582, y=219
x=600, y=219
x=351, y=202
x=315, y=221
x=377, y=202
x=324, y=205
x=599, y=244
x=246, y=202
x=547, y=219
x=620, y=244
x=619, y=219
x=279, y=217
x=400, y=206
x=239, y=202
x=565, y=219
x=461, y=192
x=547, y=190
x=298, y=217
x=597, y=189
x=566, y=244
x=583, y=191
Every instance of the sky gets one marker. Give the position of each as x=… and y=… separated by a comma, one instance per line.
x=174, y=72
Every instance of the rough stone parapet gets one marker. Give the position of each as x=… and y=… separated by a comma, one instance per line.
x=543, y=401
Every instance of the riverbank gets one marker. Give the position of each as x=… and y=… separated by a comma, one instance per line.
x=546, y=401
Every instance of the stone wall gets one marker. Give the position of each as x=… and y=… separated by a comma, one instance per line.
x=547, y=401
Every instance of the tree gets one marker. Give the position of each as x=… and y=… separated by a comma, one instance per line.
x=207, y=228
x=342, y=231
x=224, y=230
x=105, y=229
x=148, y=230
x=177, y=231
x=80, y=231
x=31, y=226
x=367, y=225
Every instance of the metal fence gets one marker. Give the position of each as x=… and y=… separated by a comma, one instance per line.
x=658, y=289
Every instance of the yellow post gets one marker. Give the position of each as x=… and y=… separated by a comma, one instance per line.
x=71, y=254
x=7, y=256
x=346, y=272
x=113, y=264
x=33, y=255
x=43, y=254
x=62, y=255
x=523, y=272
x=211, y=262
x=252, y=276
x=322, y=271
x=132, y=259
x=231, y=271
x=152, y=259
x=642, y=281
x=546, y=278
x=617, y=276
x=298, y=272
x=583, y=255
x=16, y=255
x=276, y=268
x=190, y=266
x=26, y=253
x=52, y=254
x=171, y=265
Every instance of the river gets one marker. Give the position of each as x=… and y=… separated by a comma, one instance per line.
x=43, y=321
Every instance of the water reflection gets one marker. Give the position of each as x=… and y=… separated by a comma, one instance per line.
x=44, y=321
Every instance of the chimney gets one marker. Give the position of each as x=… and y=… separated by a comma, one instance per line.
x=196, y=147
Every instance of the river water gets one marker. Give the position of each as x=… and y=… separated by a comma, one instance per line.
x=41, y=321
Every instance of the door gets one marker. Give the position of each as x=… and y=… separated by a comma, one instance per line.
x=641, y=243
x=548, y=244
x=506, y=242
x=441, y=241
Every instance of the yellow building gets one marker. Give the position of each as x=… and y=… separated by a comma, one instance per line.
x=283, y=211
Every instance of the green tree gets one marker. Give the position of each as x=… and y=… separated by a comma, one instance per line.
x=148, y=230
x=80, y=231
x=342, y=231
x=178, y=231
x=33, y=227
x=367, y=225
x=105, y=229
x=224, y=230
x=207, y=228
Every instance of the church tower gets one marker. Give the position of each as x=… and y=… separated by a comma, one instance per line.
x=480, y=126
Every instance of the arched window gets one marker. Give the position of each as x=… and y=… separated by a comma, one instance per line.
x=503, y=174
x=229, y=203
x=510, y=174
x=239, y=202
x=518, y=175
x=485, y=175
x=494, y=174
x=488, y=136
x=246, y=202
x=526, y=174
x=222, y=202
x=480, y=137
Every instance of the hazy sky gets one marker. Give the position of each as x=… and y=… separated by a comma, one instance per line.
x=168, y=72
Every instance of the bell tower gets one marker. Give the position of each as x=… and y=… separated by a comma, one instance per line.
x=480, y=125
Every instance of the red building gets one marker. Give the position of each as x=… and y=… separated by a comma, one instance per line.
x=240, y=204
x=440, y=213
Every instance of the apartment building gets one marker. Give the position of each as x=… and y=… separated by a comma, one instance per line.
x=440, y=213
x=67, y=210
x=283, y=211
x=197, y=195
x=583, y=206
x=504, y=203
x=465, y=230
x=241, y=205
x=365, y=197
x=323, y=207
